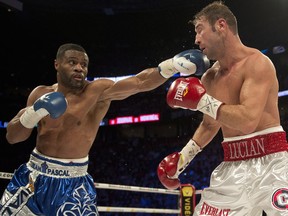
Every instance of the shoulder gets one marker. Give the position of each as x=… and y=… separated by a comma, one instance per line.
x=42, y=89
x=102, y=83
x=259, y=71
x=259, y=63
x=257, y=58
x=98, y=87
x=38, y=91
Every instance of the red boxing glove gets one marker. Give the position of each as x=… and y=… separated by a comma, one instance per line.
x=167, y=169
x=174, y=164
x=189, y=93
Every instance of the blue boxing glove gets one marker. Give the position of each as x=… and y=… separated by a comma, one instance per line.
x=52, y=103
x=188, y=62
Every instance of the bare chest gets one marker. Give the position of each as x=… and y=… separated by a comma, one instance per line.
x=226, y=87
x=82, y=114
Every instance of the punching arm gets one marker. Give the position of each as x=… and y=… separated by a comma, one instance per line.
x=187, y=62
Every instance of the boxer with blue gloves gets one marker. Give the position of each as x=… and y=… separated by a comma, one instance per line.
x=55, y=180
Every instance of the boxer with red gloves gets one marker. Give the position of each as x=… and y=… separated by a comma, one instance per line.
x=252, y=177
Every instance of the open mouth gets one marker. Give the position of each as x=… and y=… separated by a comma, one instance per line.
x=78, y=77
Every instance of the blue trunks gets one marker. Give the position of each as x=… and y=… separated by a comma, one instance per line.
x=50, y=186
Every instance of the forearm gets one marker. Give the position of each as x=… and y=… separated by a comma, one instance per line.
x=15, y=131
x=247, y=119
x=205, y=132
x=202, y=136
x=174, y=164
x=150, y=79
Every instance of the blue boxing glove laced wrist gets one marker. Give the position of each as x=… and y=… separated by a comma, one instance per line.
x=188, y=62
x=53, y=104
x=191, y=61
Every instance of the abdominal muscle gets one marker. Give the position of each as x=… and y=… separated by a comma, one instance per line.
x=264, y=124
x=66, y=141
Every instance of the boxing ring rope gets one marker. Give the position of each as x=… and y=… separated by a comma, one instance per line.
x=6, y=175
x=136, y=189
x=138, y=210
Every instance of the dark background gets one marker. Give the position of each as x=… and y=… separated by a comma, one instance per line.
x=122, y=38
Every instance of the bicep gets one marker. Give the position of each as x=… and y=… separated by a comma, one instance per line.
x=146, y=80
x=256, y=87
x=121, y=89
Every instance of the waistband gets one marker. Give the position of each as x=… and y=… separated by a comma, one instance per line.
x=59, y=168
x=254, y=147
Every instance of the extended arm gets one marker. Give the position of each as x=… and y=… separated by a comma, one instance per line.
x=187, y=62
x=146, y=80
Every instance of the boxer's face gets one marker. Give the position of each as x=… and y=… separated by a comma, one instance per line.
x=208, y=37
x=72, y=69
